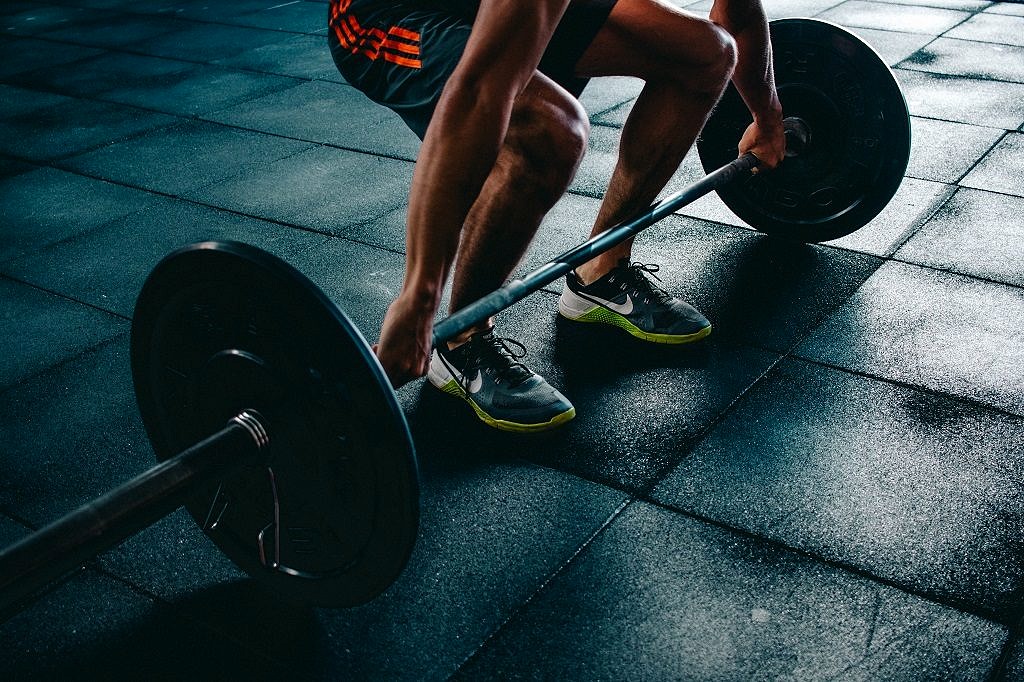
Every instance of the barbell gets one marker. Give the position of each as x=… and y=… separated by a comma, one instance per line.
x=274, y=424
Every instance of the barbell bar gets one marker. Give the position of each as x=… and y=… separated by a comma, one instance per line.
x=309, y=482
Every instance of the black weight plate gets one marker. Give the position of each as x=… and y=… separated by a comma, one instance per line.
x=859, y=142
x=223, y=327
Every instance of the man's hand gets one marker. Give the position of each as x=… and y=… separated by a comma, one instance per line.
x=766, y=140
x=405, y=340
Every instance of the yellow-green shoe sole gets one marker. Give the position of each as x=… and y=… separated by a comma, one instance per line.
x=602, y=315
x=453, y=388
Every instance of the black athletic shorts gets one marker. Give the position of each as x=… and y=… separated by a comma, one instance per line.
x=402, y=52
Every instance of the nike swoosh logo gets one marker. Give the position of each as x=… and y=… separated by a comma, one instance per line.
x=624, y=308
x=474, y=386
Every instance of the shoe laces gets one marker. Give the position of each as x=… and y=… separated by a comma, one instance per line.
x=637, y=277
x=498, y=356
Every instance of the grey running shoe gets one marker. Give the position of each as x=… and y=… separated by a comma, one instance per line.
x=627, y=298
x=486, y=373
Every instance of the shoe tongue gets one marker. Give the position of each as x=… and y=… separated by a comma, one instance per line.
x=507, y=366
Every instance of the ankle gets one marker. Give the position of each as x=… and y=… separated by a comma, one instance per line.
x=465, y=336
x=590, y=272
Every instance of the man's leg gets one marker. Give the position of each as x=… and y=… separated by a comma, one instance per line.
x=686, y=63
x=545, y=142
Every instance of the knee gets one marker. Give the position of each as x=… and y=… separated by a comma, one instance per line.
x=721, y=54
x=707, y=64
x=549, y=138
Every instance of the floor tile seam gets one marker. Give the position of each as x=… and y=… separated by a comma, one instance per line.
x=99, y=100
x=967, y=278
x=127, y=49
x=961, y=606
x=972, y=14
x=182, y=117
x=329, y=145
x=915, y=226
x=998, y=673
x=972, y=402
x=192, y=20
x=950, y=271
x=939, y=119
x=521, y=607
x=58, y=365
x=701, y=434
x=976, y=77
x=66, y=297
x=977, y=161
x=196, y=202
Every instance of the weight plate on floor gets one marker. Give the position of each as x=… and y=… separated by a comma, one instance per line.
x=330, y=513
x=859, y=136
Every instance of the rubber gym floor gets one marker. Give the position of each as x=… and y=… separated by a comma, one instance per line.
x=829, y=487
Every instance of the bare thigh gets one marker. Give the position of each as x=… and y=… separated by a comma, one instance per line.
x=652, y=39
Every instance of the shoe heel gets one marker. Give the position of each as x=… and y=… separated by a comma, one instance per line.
x=572, y=306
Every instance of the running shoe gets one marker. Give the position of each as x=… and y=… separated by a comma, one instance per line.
x=487, y=373
x=627, y=298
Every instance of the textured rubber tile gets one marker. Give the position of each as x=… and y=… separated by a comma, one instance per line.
x=94, y=627
x=96, y=76
x=970, y=59
x=755, y=290
x=914, y=202
x=976, y=233
x=893, y=17
x=602, y=94
x=329, y=113
x=661, y=596
x=35, y=18
x=71, y=433
x=11, y=167
x=73, y=127
x=1014, y=669
x=299, y=56
x=18, y=56
x=361, y=280
x=19, y=101
x=301, y=17
x=107, y=267
x=778, y=9
x=11, y=531
x=113, y=30
x=184, y=157
x=892, y=46
x=323, y=189
x=48, y=205
x=932, y=157
x=491, y=532
x=921, y=490
x=42, y=330
x=17, y=7
x=979, y=102
x=198, y=91
x=1010, y=8
x=565, y=226
x=197, y=42
x=965, y=5
x=942, y=331
x=989, y=28
x=638, y=406
x=1002, y=170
